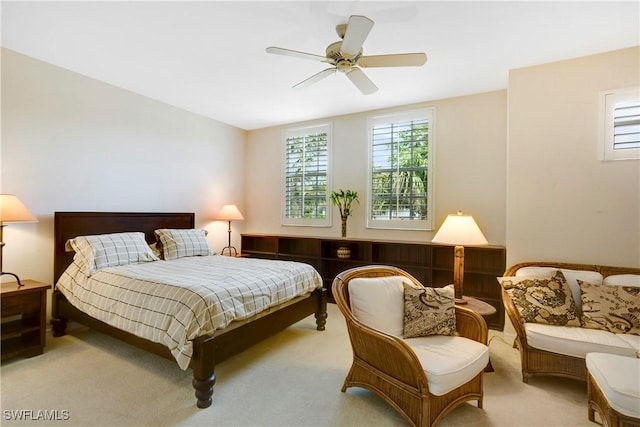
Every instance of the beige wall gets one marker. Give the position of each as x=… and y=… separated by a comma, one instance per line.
x=563, y=203
x=470, y=169
x=73, y=143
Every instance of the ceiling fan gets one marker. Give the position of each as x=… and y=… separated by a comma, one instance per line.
x=346, y=56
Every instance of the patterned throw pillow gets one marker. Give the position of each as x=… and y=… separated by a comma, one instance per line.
x=428, y=311
x=109, y=250
x=611, y=308
x=178, y=243
x=542, y=299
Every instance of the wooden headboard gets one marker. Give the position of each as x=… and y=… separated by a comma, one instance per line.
x=68, y=225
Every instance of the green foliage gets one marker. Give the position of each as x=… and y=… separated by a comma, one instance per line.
x=400, y=179
x=306, y=176
x=343, y=200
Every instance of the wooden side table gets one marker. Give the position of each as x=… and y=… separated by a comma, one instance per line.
x=23, y=311
x=482, y=308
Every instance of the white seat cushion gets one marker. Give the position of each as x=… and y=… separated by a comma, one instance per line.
x=449, y=361
x=572, y=277
x=619, y=379
x=577, y=342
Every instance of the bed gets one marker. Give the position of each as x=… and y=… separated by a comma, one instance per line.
x=207, y=349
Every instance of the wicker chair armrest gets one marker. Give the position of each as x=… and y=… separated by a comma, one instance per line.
x=470, y=324
x=387, y=353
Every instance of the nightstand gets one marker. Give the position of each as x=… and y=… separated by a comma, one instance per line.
x=23, y=315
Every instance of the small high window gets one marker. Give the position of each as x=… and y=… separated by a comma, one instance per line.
x=620, y=126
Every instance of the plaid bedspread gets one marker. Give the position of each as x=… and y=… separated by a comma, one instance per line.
x=173, y=302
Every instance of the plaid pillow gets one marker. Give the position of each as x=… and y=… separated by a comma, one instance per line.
x=93, y=253
x=178, y=243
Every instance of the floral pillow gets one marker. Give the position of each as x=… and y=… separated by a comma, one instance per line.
x=611, y=308
x=428, y=311
x=543, y=299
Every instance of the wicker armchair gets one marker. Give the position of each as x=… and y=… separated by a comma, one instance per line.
x=387, y=366
x=540, y=362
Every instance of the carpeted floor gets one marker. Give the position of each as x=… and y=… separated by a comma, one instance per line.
x=291, y=379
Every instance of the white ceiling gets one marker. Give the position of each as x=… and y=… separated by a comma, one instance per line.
x=209, y=57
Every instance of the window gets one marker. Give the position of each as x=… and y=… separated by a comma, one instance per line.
x=400, y=187
x=620, y=129
x=306, y=176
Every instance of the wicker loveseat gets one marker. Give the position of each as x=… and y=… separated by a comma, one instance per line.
x=561, y=350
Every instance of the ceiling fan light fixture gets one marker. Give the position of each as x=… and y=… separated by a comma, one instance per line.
x=344, y=66
x=345, y=56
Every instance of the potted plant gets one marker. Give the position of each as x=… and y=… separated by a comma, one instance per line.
x=343, y=200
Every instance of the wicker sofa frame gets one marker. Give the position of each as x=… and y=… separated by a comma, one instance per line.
x=539, y=362
x=387, y=366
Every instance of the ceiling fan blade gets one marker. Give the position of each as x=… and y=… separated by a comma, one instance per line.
x=295, y=53
x=357, y=31
x=362, y=82
x=315, y=78
x=396, y=60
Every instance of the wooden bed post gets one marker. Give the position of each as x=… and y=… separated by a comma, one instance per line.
x=203, y=365
x=321, y=311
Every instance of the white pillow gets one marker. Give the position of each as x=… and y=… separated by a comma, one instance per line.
x=572, y=277
x=622, y=280
x=378, y=302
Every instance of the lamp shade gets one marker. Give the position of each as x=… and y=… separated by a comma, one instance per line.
x=13, y=210
x=459, y=229
x=229, y=213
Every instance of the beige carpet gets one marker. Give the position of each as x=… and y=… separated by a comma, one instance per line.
x=291, y=379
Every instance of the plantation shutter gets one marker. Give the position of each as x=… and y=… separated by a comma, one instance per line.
x=399, y=165
x=400, y=181
x=620, y=135
x=626, y=125
x=306, y=172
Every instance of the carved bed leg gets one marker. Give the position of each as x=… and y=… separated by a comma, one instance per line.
x=321, y=310
x=59, y=326
x=202, y=364
x=204, y=391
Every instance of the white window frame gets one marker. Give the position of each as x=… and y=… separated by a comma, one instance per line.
x=428, y=113
x=302, y=131
x=608, y=100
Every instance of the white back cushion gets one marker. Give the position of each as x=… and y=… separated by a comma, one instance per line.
x=622, y=280
x=572, y=277
x=379, y=302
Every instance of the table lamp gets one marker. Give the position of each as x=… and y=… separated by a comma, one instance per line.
x=459, y=230
x=229, y=213
x=12, y=210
